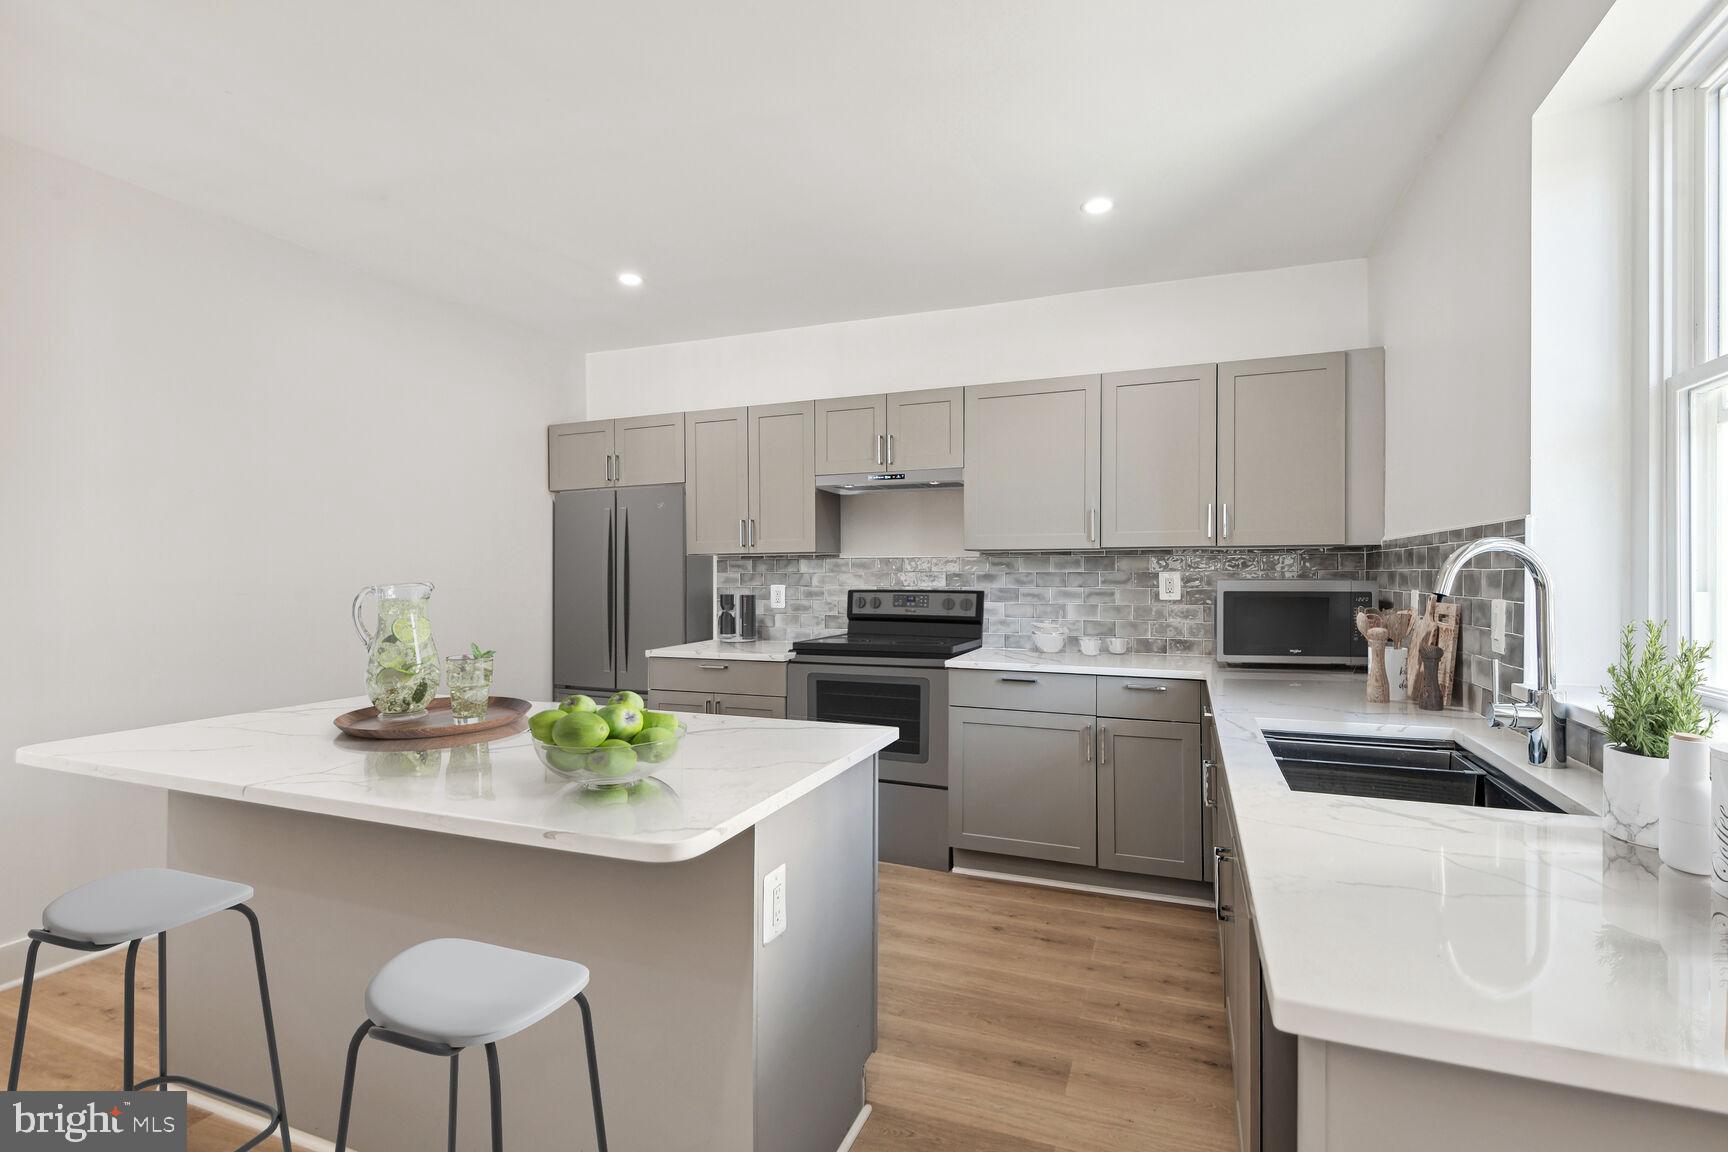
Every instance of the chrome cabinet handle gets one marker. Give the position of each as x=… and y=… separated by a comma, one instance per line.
x=752, y=540
x=1206, y=784
x=1220, y=857
x=1225, y=535
x=740, y=533
x=1211, y=527
x=708, y=707
x=1145, y=688
x=608, y=467
x=1017, y=679
x=890, y=447
x=719, y=707
x=1086, y=743
x=1103, y=744
x=712, y=667
x=880, y=457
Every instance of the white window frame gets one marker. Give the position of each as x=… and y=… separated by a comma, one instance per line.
x=1688, y=350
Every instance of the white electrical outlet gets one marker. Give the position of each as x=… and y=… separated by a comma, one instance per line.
x=1498, y=640
x=1169, y=585
x=774, y=904
x=776, y=595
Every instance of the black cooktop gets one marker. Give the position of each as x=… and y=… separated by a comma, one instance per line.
x=905, y=624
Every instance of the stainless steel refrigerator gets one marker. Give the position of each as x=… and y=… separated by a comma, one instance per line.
x=622, y=584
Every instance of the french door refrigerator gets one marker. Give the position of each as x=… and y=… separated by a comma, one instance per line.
x=622, y=584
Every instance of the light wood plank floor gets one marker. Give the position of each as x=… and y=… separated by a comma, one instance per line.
x=1013, y=1019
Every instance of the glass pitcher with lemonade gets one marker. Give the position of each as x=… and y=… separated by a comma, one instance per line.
x=401, y=660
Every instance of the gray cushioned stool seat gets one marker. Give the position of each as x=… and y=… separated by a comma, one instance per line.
x=138, y=903
x=465, y=993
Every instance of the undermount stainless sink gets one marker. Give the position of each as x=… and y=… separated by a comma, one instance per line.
x=1397, y=768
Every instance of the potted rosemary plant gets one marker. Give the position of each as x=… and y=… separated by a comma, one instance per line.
x=1650, y=698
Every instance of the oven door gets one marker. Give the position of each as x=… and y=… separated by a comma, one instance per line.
x=912, y=699
x=1290, y=622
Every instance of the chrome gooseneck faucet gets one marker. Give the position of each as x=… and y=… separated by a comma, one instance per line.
x=1546, y=738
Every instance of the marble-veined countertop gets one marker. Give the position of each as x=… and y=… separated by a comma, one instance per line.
x=1518, y=942
x=729, y=773
x=779, y=651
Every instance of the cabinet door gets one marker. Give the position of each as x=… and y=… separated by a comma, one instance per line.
x=579, y=455
x=716, y=479
x=649, y=449
x=783, y=497
x=1032, y=465
x=663, y=700
x=1160, y=457
x=1149, y=797
x=733, y=704
x=851, y=435
x=1023, y=784
x=1282, y=444
x=927, y=429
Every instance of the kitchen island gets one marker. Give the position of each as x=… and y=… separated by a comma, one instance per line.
x=708, y=1037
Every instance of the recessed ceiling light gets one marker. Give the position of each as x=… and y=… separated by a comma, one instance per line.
x=1098, y=205
x=630, y=279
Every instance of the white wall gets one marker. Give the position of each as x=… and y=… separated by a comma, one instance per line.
x=1449, y=290
x=1311, y=308
x=209, y=440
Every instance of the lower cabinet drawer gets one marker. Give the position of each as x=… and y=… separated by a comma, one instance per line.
x=1022, y=691
x=1023, y=784
x=661, y=700
x=744, y=677
x=736, y=704
x=1150, y=698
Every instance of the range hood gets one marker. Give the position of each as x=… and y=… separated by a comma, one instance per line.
x=850, y=483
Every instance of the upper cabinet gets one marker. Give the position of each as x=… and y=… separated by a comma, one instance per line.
x=900, y=431
x=851, y=435
x=1032, y=465
x=1160, y=457
x=615, y=453
x=750, y=483
x=1282, y=448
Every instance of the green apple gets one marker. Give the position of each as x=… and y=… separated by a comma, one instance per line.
x=623, y=720
x=579, y=730
x=540, y=724
x=659, y=720
x=578, y=703
x=655, y=744
x=629, y=699
x=613, y=758
x=570, y=761
x=607, y=796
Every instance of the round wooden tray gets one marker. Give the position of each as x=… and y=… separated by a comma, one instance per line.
x=365, y=722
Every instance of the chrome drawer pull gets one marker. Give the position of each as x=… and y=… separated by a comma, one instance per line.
x=1017, y=679
x=1146, y=687
x=713, y=667
x=1220, y=857
x=1206, y=783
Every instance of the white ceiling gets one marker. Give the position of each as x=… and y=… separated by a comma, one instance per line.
x=764, y=163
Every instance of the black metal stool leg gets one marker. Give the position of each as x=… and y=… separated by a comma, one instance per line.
x=23, y=1015
x=348, y=1085
x=455, y=1070
x=593, y=1071
x=162, y=1009
x=126, y=1076
x=497, y=1101
x=269, y=1022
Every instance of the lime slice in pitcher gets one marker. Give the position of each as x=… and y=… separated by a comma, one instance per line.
x=404, y=629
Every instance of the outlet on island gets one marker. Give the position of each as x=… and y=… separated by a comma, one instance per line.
x=774, y=905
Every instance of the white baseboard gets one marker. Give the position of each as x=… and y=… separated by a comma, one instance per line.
x=1071, y=886
x=857, y=1127
x=48, y=961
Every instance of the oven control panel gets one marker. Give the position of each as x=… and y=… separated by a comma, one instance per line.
x=918, y=604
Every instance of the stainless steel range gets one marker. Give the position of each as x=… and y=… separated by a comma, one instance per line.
x=887, y=668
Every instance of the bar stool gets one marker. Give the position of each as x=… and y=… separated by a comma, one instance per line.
x=442, y=996
x=124, y=908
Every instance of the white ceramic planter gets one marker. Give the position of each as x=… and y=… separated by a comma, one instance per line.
x=1683, y=805
x=1630, y=787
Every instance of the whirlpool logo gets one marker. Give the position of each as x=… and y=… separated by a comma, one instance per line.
x=99, y=1121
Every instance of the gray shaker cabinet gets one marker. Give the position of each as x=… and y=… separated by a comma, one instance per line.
x=1160, y=457
x=1149, y=818
x=1023, y=784
x=787, y=513
x=851, y=435
x=1032, y=465
x=926, y=429
x=579, y=455
x=716, y=480
x=1282, y=451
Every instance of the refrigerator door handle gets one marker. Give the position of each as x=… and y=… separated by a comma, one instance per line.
x=611, y=595
x=624, y=580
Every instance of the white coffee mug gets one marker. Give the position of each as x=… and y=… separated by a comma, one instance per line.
x=1118, y=645
x=1089, y=645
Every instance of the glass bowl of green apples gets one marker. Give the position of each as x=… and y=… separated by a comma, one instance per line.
x=601, y=744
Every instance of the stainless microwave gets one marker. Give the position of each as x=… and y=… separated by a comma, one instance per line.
x=1291, y=621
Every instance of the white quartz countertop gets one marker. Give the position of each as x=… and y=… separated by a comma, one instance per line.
x=1072, y=660
x=729, y=773
x=1517, y=942
x=778, y=650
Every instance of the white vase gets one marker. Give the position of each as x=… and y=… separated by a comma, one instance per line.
x=1719, y=830
x=1630, y=785
x=1683, y=805
x=1397, y=685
